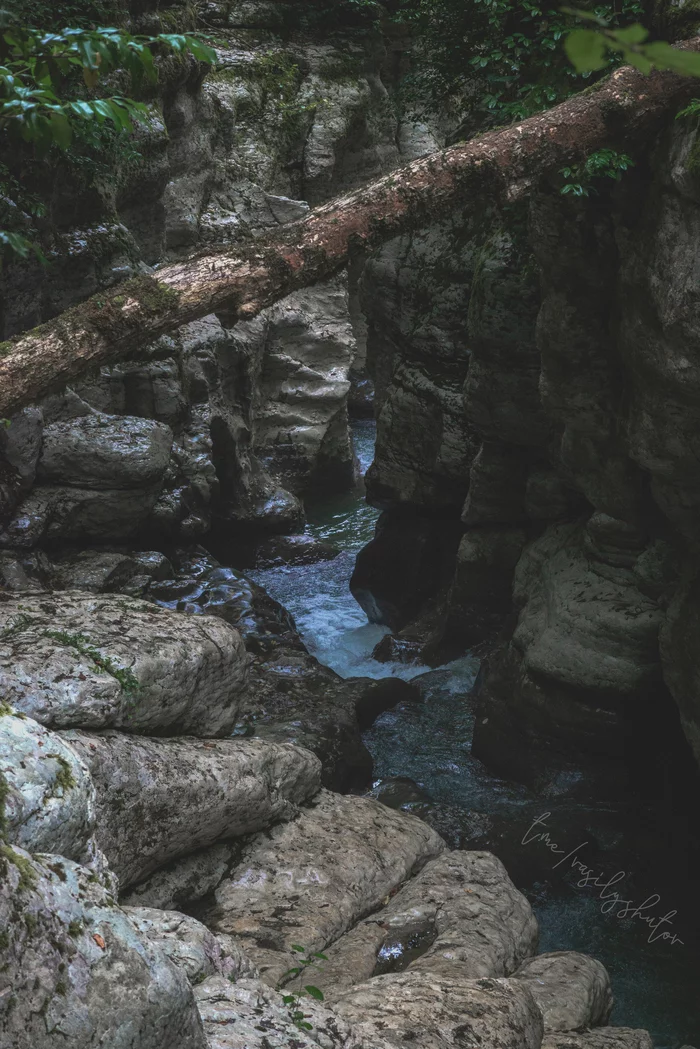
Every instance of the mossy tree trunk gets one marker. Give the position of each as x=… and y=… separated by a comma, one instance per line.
x=623, y=112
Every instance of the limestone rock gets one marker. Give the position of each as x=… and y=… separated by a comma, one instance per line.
x=158, y=799
x=182, y=882
x=189, y=944
x=73, y=967
x=309, y=880
x=585, y=648
x=50, y=804
x=572, y=990
x=250, y=1015
x=104, y=452
x=73, y=659
x=442, y=1011
x=461, y=911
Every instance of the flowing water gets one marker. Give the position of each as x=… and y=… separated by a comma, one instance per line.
x=656, y=984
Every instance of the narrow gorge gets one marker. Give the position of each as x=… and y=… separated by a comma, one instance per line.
x=349, y=694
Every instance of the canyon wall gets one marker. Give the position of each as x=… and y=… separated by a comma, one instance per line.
x=545, y=505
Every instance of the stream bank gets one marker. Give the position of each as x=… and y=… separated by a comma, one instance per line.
x=423, y=763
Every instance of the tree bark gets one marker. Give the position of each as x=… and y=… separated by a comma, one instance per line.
x=624, y=112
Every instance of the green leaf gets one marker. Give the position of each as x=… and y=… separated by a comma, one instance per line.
x=297, y=947
x=314, y=992
x=638, y=60
x=62, y=132
x=634, y=34
x=666, y=57
x=586, y=50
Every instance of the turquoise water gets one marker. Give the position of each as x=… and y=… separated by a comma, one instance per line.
x=656, y=986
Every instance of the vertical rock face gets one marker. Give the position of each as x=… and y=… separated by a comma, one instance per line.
x=554, y=396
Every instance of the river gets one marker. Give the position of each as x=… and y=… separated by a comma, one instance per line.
x=656, y=984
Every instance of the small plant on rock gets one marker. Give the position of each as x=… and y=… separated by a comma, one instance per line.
x=293, y=999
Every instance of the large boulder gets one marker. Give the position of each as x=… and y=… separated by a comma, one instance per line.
x=98, y=477
x=50, y=803
x=307, y=881
x=72, y=659
x=74, y=970
x=461, y=910
x=158, y=799
x=602, y=1038
x=104, y=452
x=443, y=1011
x=183, y=881
x=572, y=991
x=579, y=680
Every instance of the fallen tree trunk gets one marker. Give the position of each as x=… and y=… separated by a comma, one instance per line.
x=623, y=112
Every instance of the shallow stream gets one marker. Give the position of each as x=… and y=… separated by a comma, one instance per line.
x=656, y=984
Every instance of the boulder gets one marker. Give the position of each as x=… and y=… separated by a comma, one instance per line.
x=442, y=1011
x=572, y=991
x=50, y=803
x=158, y=799
x=75, y=970
x=250, y=1015
x=72, y=659
x=308, y=881
x=190, y=945
x=460, y=912
x=104, y=452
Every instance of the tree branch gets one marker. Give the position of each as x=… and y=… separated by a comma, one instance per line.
x=624, y=111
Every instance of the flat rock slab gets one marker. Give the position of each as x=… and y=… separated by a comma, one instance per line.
x=461, y=909
x=442, y=1012
x=572, y=990
x=158, y=799
x=50, y=805
x=76, y=660
x=603, y=1038
x=309, y=881
x=75, y=971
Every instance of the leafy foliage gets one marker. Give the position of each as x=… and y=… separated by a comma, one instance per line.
x=48, y=91
x=504, y=59
x=604, y=163
x=592, y=49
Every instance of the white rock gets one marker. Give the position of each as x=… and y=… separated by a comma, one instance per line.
x=71, y=659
